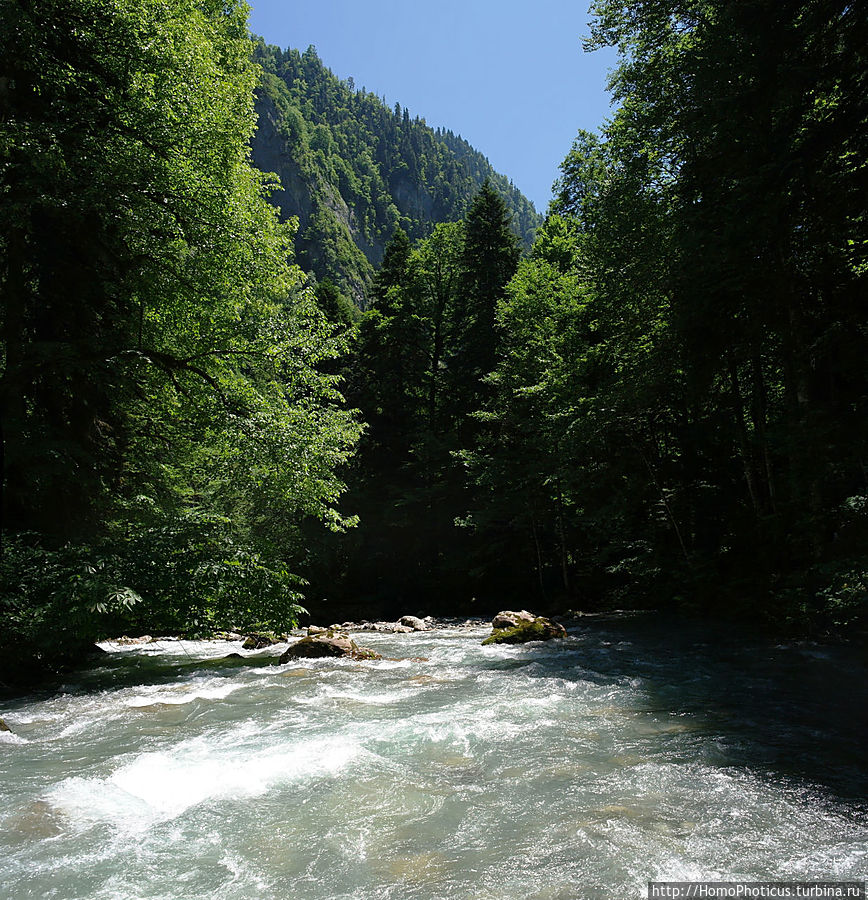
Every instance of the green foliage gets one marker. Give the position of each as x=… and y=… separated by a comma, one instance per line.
x=843, y=593
x=666, y=404
x=54, y=603
x=196, y=578
x=163, y=364
x=489, y=258
x=199, y=575
x=416, y=373
x=679, y=410
x=336, y=307
x=522, y=461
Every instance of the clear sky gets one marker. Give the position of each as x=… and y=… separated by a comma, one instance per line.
x=509, y=76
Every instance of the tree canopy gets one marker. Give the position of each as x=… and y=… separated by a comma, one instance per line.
x=161, y=360
x=665, y=404
x=662, y=403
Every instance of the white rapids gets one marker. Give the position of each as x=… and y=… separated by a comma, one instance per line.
x=583, y=768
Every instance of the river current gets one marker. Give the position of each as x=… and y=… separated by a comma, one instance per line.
x=633, y=751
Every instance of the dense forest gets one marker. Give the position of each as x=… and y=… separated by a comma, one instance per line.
x=168, y=417
x=352, y=169
x=663, y=403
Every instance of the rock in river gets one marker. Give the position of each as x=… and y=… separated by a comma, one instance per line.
x=331, y=643
x=256, y=640
x=507, y=619
x=537, y=628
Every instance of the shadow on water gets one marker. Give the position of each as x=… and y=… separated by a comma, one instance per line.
x=113, y=671
x=792, y=711
x=796, y=711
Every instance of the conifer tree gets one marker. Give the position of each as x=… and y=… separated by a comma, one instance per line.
x=489, y=258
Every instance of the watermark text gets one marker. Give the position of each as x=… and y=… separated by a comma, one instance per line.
x=746, y=890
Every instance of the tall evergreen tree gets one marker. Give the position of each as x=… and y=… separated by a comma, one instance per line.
x=423, y=350
x=489, y=258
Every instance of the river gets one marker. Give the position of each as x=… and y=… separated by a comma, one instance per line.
x=638, y=749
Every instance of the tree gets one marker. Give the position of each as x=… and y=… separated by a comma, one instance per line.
x=681, y=380
x=422, y=351
x=438, y=270
x=489, y=258
x=524, y=462
x=755, y=114
x=160, y=356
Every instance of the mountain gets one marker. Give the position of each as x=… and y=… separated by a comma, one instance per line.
x=353, y=170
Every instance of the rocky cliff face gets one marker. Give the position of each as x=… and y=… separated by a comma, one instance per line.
x=304, y=194
x=272, y=153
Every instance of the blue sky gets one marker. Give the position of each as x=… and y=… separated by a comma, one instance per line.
x=510, y=77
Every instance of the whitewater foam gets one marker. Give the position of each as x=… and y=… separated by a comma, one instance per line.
x=159, y=786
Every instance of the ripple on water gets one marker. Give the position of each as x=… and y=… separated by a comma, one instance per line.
x=500, y=773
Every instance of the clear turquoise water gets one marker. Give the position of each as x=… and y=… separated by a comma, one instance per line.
x=625, y=754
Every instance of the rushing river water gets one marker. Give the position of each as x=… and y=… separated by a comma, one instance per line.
x=574, y=770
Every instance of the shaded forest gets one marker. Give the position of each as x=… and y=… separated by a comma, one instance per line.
x=667, y=401
x=661, y=403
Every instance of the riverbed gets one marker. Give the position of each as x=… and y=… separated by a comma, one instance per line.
x=635, y=750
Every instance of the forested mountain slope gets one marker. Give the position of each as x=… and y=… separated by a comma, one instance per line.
x=353, y=170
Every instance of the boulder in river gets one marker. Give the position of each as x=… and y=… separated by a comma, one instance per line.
x=537, y=629
x=4, y=726
x=318, y=646
x=508, y=619
x=413, y=622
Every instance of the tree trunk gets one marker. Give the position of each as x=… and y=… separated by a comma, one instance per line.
x=565, y=567
x=759, y=414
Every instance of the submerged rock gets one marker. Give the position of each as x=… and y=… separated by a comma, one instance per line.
x=4, y=726
x=318, y=646
x=537, y=629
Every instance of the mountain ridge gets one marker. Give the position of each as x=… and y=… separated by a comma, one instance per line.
x=352, y=170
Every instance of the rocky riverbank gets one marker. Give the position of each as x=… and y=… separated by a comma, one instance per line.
x=334, y=640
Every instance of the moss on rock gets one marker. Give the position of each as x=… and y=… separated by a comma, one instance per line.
x=256, y=640
x=540, y=629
